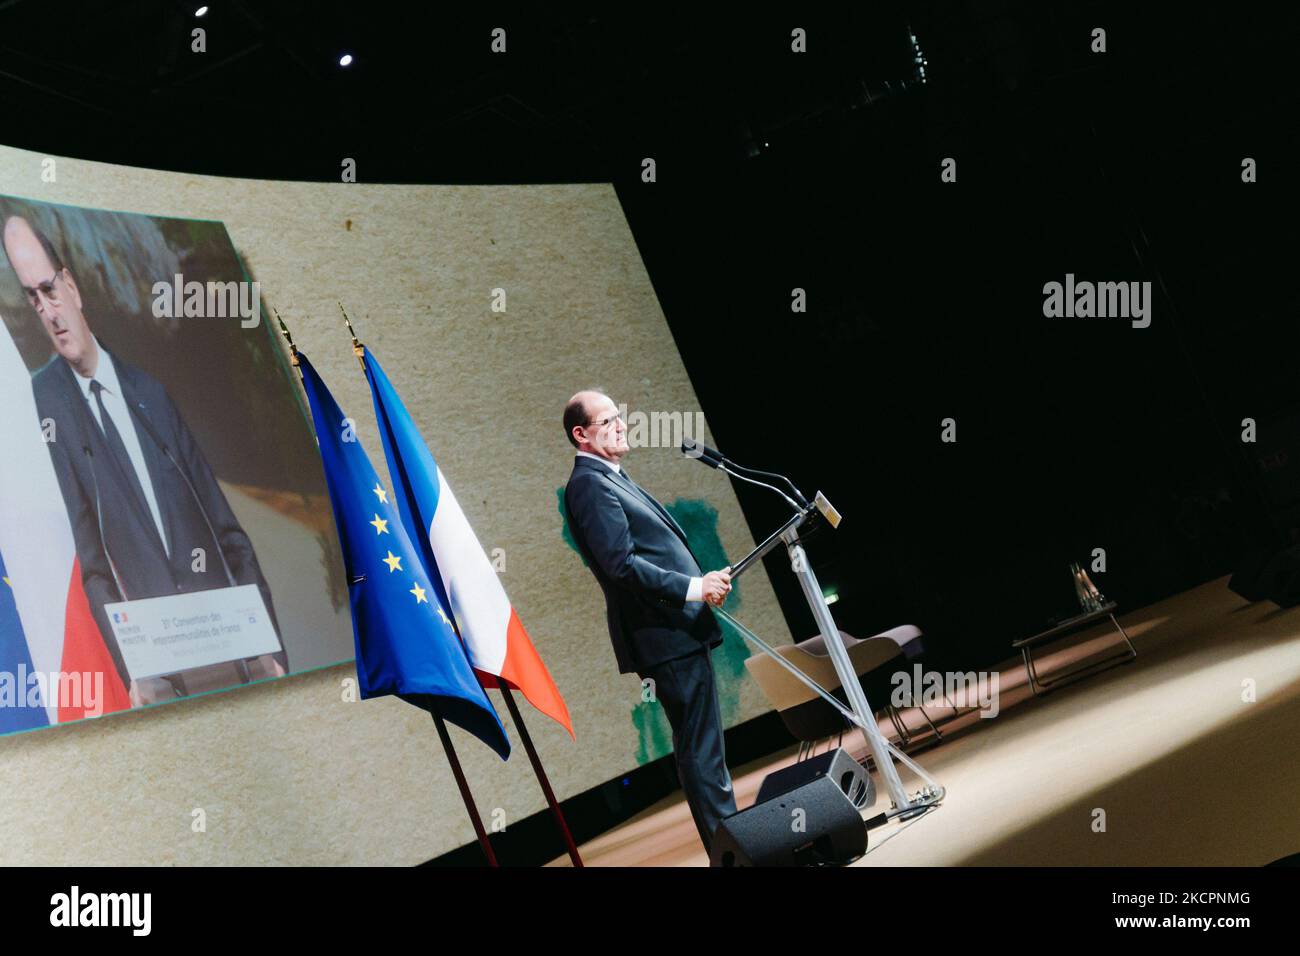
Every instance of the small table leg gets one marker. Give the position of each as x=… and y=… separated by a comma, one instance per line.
x=1036, y=683
x=1029, y=670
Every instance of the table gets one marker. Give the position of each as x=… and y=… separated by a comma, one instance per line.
x=1026, y=645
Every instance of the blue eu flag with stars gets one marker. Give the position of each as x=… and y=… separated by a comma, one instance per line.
x=404, y=638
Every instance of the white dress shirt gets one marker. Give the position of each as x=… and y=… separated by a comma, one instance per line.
x=695, y=591
x=115, y=403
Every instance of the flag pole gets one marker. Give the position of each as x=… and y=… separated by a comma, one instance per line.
x=538, y=770
x=358, y=349
x=470, y=807
x=463, y=784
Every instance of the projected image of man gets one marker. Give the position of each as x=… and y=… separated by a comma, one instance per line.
x=141, y=497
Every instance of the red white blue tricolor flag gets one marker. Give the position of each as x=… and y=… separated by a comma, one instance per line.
x=495, y=639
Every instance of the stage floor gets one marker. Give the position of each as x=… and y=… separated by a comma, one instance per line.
x=1186, y=772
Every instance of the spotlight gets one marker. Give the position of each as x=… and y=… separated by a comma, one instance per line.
x=200, y=11
x=919, y=60
x=345, y=59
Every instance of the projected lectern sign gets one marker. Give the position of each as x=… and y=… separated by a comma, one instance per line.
x=173, y=633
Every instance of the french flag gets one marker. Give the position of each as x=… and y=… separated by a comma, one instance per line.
x=498, y=646
x=45, y=621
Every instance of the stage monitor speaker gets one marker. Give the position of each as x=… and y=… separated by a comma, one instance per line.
x=812, y=825
x=849, y=775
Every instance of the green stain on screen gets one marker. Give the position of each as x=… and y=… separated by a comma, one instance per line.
x=654, y=736
x=699, y=520
x=565, y=533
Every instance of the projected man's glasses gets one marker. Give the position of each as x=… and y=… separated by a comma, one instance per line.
x=605, y=421
x=46, y=289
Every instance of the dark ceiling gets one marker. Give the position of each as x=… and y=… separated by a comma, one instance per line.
x=578, y=94
x=425, y=98
x=820, y=171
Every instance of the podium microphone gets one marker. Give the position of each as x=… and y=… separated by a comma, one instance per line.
x=241, y=665
x=709, y=456
x=221, y=553
x=99, y=519
x=715, y=459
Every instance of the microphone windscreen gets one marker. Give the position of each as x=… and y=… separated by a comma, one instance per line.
x=693, y=449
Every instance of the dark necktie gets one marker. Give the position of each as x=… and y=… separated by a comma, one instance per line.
x=118, y=449
x=659, y=509
x=622, y=473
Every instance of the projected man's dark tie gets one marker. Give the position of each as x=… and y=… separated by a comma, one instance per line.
x=117, y=447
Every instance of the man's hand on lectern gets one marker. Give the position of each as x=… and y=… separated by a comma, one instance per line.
x=716, y=586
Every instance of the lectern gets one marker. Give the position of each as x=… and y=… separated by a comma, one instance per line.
x=859, y=711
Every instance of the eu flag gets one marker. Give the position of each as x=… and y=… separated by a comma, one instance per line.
x=404, y=638
x=15, y=659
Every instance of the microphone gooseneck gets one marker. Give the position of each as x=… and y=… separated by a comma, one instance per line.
x=241, y=665
x=99, y=519
x=715, y=459
x=221, y=552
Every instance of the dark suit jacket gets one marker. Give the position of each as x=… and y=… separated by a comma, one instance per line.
x=142, y=564
x=644, y=565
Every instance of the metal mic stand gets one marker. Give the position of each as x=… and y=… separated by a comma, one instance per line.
x=859, y=711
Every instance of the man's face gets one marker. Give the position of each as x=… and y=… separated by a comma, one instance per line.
x=605, y=432
x=52, y=294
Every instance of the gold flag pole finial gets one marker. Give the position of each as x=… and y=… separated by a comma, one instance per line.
x=284, y=330
x=357, y=348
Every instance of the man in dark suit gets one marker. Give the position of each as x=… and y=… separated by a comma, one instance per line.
x=655, y=599
x=141, y=497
